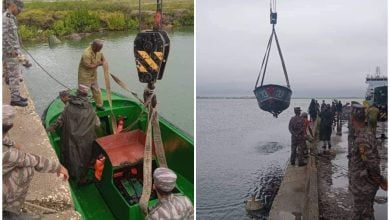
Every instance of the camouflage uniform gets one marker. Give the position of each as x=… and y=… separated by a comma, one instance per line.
x=172, y=207
x=169, y=206
x=364, y=167
x=297, y=130
x=18, y=170
x=11, y=48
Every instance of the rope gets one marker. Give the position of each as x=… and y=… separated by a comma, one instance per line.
x=266, y=62
x=281, y=57
x=264, y=58
x=267, y=52
x=44, y=70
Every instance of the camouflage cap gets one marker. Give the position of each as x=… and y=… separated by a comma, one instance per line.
x=83, y=88
x=297, y=109
x=8, y=115
x=19, y=4
x=164, y=179
x=358, y=111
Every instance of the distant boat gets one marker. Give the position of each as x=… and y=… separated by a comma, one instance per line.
x=117, y=195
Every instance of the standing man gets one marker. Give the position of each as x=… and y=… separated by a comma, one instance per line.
x=18, y=170
x=91, y=59
x=364, y=167
x=78, y=123
x=308, y=137
x=11, y=50
x=323, y=106
x=169, y=206
x=297, y=130
x=312, y=110
x=326, y=127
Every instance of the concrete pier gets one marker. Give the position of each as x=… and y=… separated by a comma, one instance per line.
x=297, y=197
x=48, y=195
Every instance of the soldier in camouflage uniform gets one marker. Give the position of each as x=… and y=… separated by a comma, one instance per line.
x=297, y=130
x=18, y=169
x=170, y=206
x=364, y=170
x=11, y=50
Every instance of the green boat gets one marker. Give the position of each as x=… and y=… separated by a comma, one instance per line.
x=116, y=195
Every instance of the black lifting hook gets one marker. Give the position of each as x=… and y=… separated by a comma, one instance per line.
x=273, y=17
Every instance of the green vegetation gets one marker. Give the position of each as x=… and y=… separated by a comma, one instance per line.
x=40, y=18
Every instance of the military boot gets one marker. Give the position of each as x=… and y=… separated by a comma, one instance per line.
x=19, y=103
x=301, y=164
x=23, y=99
x=100, y=108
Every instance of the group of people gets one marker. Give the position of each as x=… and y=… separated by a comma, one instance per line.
x=78, y=122
x=364, y=170
x=328, y=114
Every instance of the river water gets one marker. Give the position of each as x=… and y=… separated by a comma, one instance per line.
x=175, y=92
x=240, y=151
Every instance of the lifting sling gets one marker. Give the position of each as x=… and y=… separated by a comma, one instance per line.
x=272, y=98
x=151, y=49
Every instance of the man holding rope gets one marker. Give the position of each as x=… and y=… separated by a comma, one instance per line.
x=91, y=59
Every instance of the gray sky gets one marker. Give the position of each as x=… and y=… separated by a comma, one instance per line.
x=328, y=46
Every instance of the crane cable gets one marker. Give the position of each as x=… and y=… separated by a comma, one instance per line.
x=153, y=132
x=273, y=17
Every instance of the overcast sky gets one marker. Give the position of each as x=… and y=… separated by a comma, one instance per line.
x=328, y=46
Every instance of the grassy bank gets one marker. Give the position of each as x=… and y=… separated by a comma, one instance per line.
x=61, y=18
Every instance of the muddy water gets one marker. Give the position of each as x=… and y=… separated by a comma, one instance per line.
x=241, y=151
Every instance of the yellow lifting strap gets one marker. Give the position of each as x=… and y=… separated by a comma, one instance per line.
x=108, y=93
x=153, y=133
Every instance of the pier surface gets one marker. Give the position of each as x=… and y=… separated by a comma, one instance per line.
x=297, y=196
x=48, y=195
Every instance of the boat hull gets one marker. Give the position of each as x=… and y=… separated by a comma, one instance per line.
x=273, y=98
